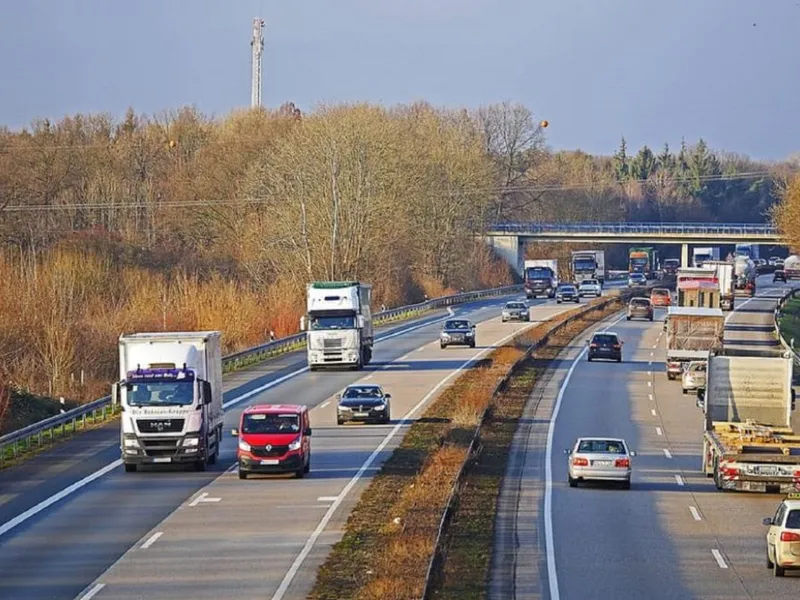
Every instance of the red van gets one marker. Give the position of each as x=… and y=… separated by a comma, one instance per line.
x=274, y=438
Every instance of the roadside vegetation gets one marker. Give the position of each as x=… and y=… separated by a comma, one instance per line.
x=789, y=322
x=786, y=213
x=183, y=221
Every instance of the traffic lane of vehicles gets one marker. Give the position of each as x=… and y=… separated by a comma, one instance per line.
x=273, y=517
x=78, y=541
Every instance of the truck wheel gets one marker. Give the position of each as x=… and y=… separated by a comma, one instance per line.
x=130, y=468
x=472, y=345
x=367, y=355
x=200, y=465
x=312, y=369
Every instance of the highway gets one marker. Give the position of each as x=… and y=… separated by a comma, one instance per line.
x=206, y=548
x=673, y=535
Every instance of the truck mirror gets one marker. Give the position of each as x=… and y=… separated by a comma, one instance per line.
x=302, y=323
x=205, y=390
x=361, y=321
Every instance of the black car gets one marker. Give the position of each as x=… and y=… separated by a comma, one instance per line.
x=567, y=293
x=779, y=275
x=363, y=402
x=459, y=332
x=605, y=345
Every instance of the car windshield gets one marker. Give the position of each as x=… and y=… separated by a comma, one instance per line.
x=660, y=292
x=640, y=302
x=263, y=423
x=601, y=447
x=362, y=392
x=337, y=322
x=604, y=339
x=456, y=325
x=567, y=288
x=160, y=393
x=515, y=305
x=590, y=282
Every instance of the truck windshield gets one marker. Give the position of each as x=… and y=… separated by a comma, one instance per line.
x=538, y=273
x=261, y=423
x=160, y=393
x=583, y=264
x=338, y=322
x=639, y=262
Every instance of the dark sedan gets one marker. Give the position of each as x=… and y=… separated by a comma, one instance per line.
x=567, y=293
x=363, y=402
x=605, y=345
x=459, y=332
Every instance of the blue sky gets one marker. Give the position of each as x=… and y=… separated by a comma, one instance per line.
x=596, y=69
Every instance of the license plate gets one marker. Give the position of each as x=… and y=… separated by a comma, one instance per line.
x=601, y=463
x=360, y=414
x=162, y=459
x=270, y=461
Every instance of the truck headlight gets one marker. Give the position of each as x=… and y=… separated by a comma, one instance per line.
x=295, y=445
x=191, y=442
x=132, y=443
x=244, y=446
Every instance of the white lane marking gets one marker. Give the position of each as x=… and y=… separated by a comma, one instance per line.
x=658, y=431
x=667, y=453
x=152, y=539
x=233, y=468
x=421, y=349
x=653, y=412
x=9, y=525
x=679, y=480
x=327, y=498
x=695, y=515
x=552, y=575
x=649, y=396
x=650, y=373
x=652, y=354
x=21, y=518
x=370, y=376
x=649, y=362
x=718, y=557
x=298, y=561
x=452, y=313
x=92, y=592
x=324, y=404
x=203, y=498
x=649, y=384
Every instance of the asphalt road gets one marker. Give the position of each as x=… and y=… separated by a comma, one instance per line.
x=70, y=513
x=673, y=535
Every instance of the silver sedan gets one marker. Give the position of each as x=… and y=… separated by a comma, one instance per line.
x=600, y=459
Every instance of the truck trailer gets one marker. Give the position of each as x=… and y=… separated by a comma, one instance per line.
x=338, y=324
x=170, y=392
x=724, y=277
x=691, y=334
x=541, y=278
x=744, y=272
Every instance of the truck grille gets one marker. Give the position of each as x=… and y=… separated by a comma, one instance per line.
x=333, y=343
x=160, y=447
x=160, y=425
x=262, y=452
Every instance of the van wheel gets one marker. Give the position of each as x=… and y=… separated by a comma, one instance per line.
x=130, y=468
x=242, y=474
x=307, y=468
x=300, y=473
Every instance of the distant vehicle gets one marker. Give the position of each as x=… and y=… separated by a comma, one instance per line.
x=694, y=376
x=671, y=266
x=607, y=345
x=791, y=267
x=779, y=275
x=773, y=260
x=723, y=273
x=783, y=536
x=588, y=264
x=750, y=251
x=274, y=438
x=363, y=402
x=692, y=332
x=600, y=459
x=457, y=332
x=701, y=255
x=661, y=297
x=516, y=311
x=779, y=264
x=637, y=280
x=590, y=287
x=567, y=293
x=541, y=278
x=640, y=308
x=745, y=276
x=643, y=260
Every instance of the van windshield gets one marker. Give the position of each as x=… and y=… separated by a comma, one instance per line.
x=160, y=393
x=261, y=423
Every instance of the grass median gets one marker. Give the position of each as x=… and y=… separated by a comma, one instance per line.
x=390, y=535
x=789, y=321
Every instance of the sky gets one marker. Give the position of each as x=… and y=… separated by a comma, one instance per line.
x=653, y=71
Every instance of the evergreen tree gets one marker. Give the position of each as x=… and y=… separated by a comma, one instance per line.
x=621, y=164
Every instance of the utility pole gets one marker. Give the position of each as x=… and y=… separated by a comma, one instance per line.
x=257, y=44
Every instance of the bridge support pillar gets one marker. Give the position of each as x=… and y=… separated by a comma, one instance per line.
x=685, y=255
x=510, y=249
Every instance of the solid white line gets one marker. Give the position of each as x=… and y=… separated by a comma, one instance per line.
x=552, y=575
x=679, y=480
x=649, y=362
x=298, y=561
x=649, y=384
x=327, y=498
x=93, y=592
x=718, y=557
x=653, y=412
x=152, y=539
x=652, y=354
x=649, y=372
x=649, y=396
x=695, y=515
x=658, y=431
x=199, y=499
x=667, y=453
x=324, y=404
x=370, y=376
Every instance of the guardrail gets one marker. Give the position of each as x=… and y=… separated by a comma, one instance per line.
x=35, y=435
x=438, y=556
x=788, y=346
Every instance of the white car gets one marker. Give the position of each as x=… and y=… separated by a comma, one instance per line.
x=590, y=287
x=694, y=377
x=637, y=280
x=783, y=536
x=600, y=459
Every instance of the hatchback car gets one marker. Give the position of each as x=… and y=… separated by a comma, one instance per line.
x=779, y=275
x=783, y=536
x=605, y=345
x=567, y=293
x=590, y=287
x=661, y=297
x=600, y=459
x=459, y=332
x=640, y=308
x=694, y=376
x=515, y=310
x=637, y=280
x=363, y=402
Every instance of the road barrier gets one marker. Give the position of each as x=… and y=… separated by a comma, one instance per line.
x=35, y=435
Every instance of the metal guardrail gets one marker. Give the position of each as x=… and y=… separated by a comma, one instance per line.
x=438, y=555
x=788, y=346
x=102, y=408
x=750, y=229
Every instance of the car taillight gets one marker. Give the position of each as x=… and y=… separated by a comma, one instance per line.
x=580, y=462
x=788, y=536
x=622, y=462
x=617, y=346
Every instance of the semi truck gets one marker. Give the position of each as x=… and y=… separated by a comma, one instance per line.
x=643, y=260
x=705, y=254
x=698, y=287
x=692, y=333
x=541, y=278
x=748, y=440
x=791, y=267
x=338, y=323
x=744, y=272
x=724, y=276
x=588, y=264
x=170, y=392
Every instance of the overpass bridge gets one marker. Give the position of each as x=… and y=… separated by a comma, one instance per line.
x=508, y=239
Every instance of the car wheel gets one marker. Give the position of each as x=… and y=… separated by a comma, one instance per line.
x=619, y=359
x=339, y=421
x=573, y=482
x=558, y=301
x=626, y=485
x=589, y=359
x=472, y=345
x=628, y=318
x=779, y=571
x=770, y=564
x=242, y=474
x=651, y=318
x=442, y=346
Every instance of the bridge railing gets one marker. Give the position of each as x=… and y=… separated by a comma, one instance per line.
x=629, y=228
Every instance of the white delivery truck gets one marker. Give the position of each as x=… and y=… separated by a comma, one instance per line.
x=170, y=392
x=588, y=264
x=744, y=273
x=702, y=255
x=541, y=277
x=338, y=324
x=724, y=276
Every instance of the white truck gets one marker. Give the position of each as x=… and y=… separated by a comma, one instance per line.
x=170, y=392
x=724, y=276
x=541, y=278
x=748, y=441
x=588, y=264
x=750, y=251
x=791, y=267
x=702, y=255
x=692, y=332
x=744, y=272
x=338, y=324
